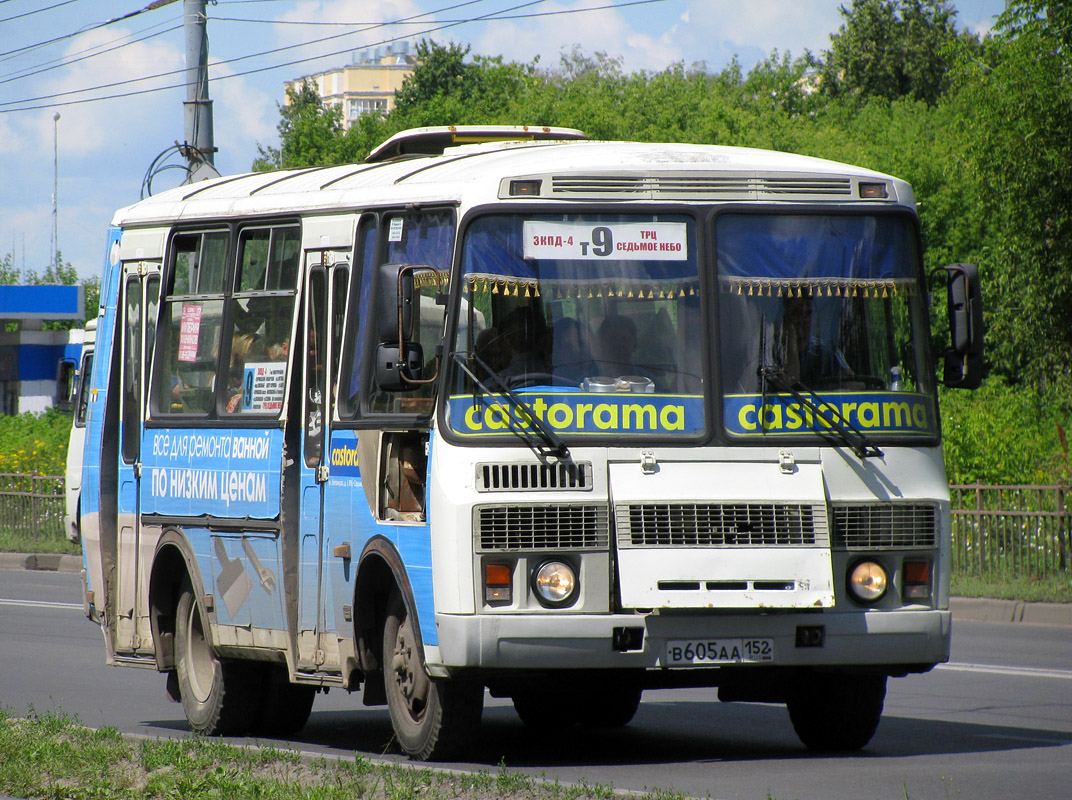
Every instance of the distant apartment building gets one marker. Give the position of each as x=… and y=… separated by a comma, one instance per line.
x=366, y=86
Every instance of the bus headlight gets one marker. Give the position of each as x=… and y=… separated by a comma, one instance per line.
x=555, y=583
x=868, y=581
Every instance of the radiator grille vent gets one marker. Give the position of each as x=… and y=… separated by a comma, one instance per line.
x=885, y=526
x=542, y=527
x=533, y=477
x=719, y=525
x=701, y=186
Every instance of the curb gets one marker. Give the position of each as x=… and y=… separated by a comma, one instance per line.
x=48, y=562
x=972, y=609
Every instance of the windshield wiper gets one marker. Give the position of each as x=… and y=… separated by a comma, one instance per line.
x=546, y=442
x=849, y=433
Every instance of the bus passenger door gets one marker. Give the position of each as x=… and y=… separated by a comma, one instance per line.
x=327, y=280
x=137, y=324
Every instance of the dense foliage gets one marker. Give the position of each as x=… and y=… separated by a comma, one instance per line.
x=34, y=443
x=982, y=129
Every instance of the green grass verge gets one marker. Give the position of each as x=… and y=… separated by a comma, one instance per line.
x=11, y=542
x=1053, y=589
x=52, y=755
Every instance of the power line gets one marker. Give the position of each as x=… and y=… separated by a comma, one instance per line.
x=38, y=11
x=490, y=17
x=83, y=55
x=151, y=7
x=246, y=57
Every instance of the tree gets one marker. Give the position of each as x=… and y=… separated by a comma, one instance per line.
x=310, y=133
x=891, y=49
x=1015, y=113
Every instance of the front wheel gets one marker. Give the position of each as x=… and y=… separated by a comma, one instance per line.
x=433, y=719
x=219, y=697
x=837, y=711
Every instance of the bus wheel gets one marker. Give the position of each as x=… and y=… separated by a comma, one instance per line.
x=609, y=707
x=433, y=720
x=219, y=697
x=837, y=711
x=286, y=705
x=593, y=707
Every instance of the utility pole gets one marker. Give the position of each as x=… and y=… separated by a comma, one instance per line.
x=198, y=146
x=56, y=192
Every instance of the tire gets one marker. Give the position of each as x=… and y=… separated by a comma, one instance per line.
x=837, y=711
x=610, y=707
x=219, y=697
x=286, y=706
x=433, y=720
x=593, y=707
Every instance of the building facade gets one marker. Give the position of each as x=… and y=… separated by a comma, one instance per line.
x=366, y=86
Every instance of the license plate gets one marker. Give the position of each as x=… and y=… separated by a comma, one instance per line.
x=687, y=652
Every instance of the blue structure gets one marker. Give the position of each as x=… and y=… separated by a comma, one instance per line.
x=37, y=367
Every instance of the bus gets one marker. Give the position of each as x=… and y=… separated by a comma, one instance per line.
x=506, y=411
x=76, y=441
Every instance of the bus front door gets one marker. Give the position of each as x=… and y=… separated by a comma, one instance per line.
x=327, y=281
x=136, y=327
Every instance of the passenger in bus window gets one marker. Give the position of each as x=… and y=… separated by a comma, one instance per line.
x=806, y=355
x=492, y=349
x=526, y=330
x=571, y=351
x=617, y=345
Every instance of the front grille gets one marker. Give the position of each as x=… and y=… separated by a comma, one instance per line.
x=719, y=525
x=541, y=527
x=533, y=477
x=885, y=526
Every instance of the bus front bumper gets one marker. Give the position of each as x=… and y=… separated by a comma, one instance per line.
x=596, y=641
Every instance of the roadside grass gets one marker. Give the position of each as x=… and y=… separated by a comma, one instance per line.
x=14, y=542
x=52, y=755
x=1027, y=589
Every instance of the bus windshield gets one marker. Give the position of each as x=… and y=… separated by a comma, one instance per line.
x=826, y=308
x=590, y=320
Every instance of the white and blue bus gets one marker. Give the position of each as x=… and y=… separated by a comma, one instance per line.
x=505, y=410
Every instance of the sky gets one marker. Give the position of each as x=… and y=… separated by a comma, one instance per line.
x=128, y=55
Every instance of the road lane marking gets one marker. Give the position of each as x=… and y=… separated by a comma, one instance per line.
x=993, y=669
x=39, y=604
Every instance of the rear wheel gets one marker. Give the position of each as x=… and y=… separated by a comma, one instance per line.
x=219, y=697
x=837, y=711
x=608, y=706
x=433, y=720
x=286, y=706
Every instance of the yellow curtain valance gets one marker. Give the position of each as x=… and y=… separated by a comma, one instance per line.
x=563, y=290
x=820, y=287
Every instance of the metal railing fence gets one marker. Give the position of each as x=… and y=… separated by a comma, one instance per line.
x=32, y=506
x=1011, y=531
x=1000, y=531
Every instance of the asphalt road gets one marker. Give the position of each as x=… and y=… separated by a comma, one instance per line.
x=995, y=723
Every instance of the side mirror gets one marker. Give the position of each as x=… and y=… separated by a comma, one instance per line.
x=395, y=303
x=964, y=359
x=399, y=368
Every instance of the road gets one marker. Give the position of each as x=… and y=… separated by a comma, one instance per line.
x=995, y=723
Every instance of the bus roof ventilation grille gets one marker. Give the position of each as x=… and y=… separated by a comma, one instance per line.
x=534, y=477
x=700, y=187
x=542, y=527
x=878, y=526
x=720, y=525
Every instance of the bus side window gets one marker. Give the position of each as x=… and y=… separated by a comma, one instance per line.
x=425, y=238
x=259, y=320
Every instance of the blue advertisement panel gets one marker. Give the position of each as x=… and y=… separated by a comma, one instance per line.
x=900, y=413
x=218, y=472
x=578, y=413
